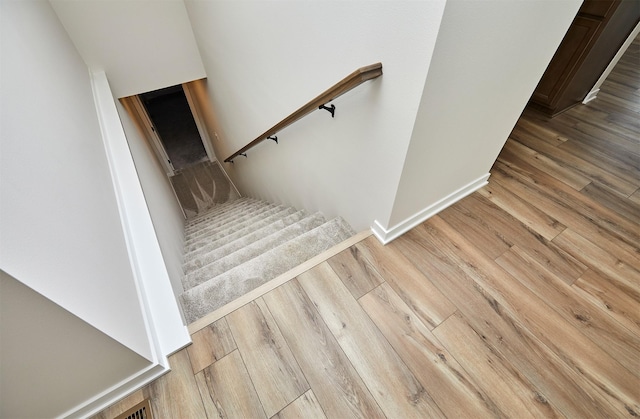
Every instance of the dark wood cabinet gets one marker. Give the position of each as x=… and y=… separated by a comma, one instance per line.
x=566, y=59
x=594, y=37
x=597, y=8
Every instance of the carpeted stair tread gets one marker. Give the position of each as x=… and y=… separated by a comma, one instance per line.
x=216, y=211
x=231, y=228
x=207, y=298
x=232, y=219
x=257, y=230
x=218, y=291
x=217, y=216
x=231, y=212
x=194, y=227
x=201, y=186
x=220, y=238
x=219, y=262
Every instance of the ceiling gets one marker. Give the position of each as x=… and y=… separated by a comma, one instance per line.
x=140, y=45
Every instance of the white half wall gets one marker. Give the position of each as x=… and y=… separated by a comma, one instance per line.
x=59, y=220
x=266, y=59
x=65, y=243
x=50, y=359
x=163, y=206
x=488, y=58
x=164, y=322
x=140, y=45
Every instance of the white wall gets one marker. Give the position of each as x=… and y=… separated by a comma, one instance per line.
x=487, y=61
x=265, y=59
x=50, y=359
x=59, y=221
x=168, y=220
x=140, y=45
x=165, y=324
x=75, y=332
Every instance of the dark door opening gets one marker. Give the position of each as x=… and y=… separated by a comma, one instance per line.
x=173, y=122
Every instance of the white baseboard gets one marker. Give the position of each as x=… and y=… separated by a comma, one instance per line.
x=590, y=96
x=386, y=235
x=596, y=87
x=118, y=392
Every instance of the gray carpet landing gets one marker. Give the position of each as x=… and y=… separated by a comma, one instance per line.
x=239, y=245
x=201, y=187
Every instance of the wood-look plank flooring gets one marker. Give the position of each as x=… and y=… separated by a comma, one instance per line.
x=521, y=300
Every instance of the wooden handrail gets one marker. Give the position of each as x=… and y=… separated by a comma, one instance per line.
x=352, y=80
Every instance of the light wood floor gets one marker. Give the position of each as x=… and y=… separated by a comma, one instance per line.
x=522, y=300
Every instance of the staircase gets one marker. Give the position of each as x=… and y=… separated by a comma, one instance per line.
x=239, y=245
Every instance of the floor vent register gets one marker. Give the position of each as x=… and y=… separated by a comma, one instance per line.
x=140, y=411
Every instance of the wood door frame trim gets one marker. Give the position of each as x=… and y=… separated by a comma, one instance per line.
x=202, y=130
x=143, y=117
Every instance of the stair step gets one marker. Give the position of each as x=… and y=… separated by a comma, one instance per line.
x=233, y=227
x=262, y=227
x=192, y=225
x=220, y=263
x=230, y=220
x=216, y=210
x=216, y=292
x=226, y=214
x=220, y=210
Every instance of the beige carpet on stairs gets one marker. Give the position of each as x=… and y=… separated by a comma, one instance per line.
x=202, y=186
x=235, y=247
x=234, y=244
